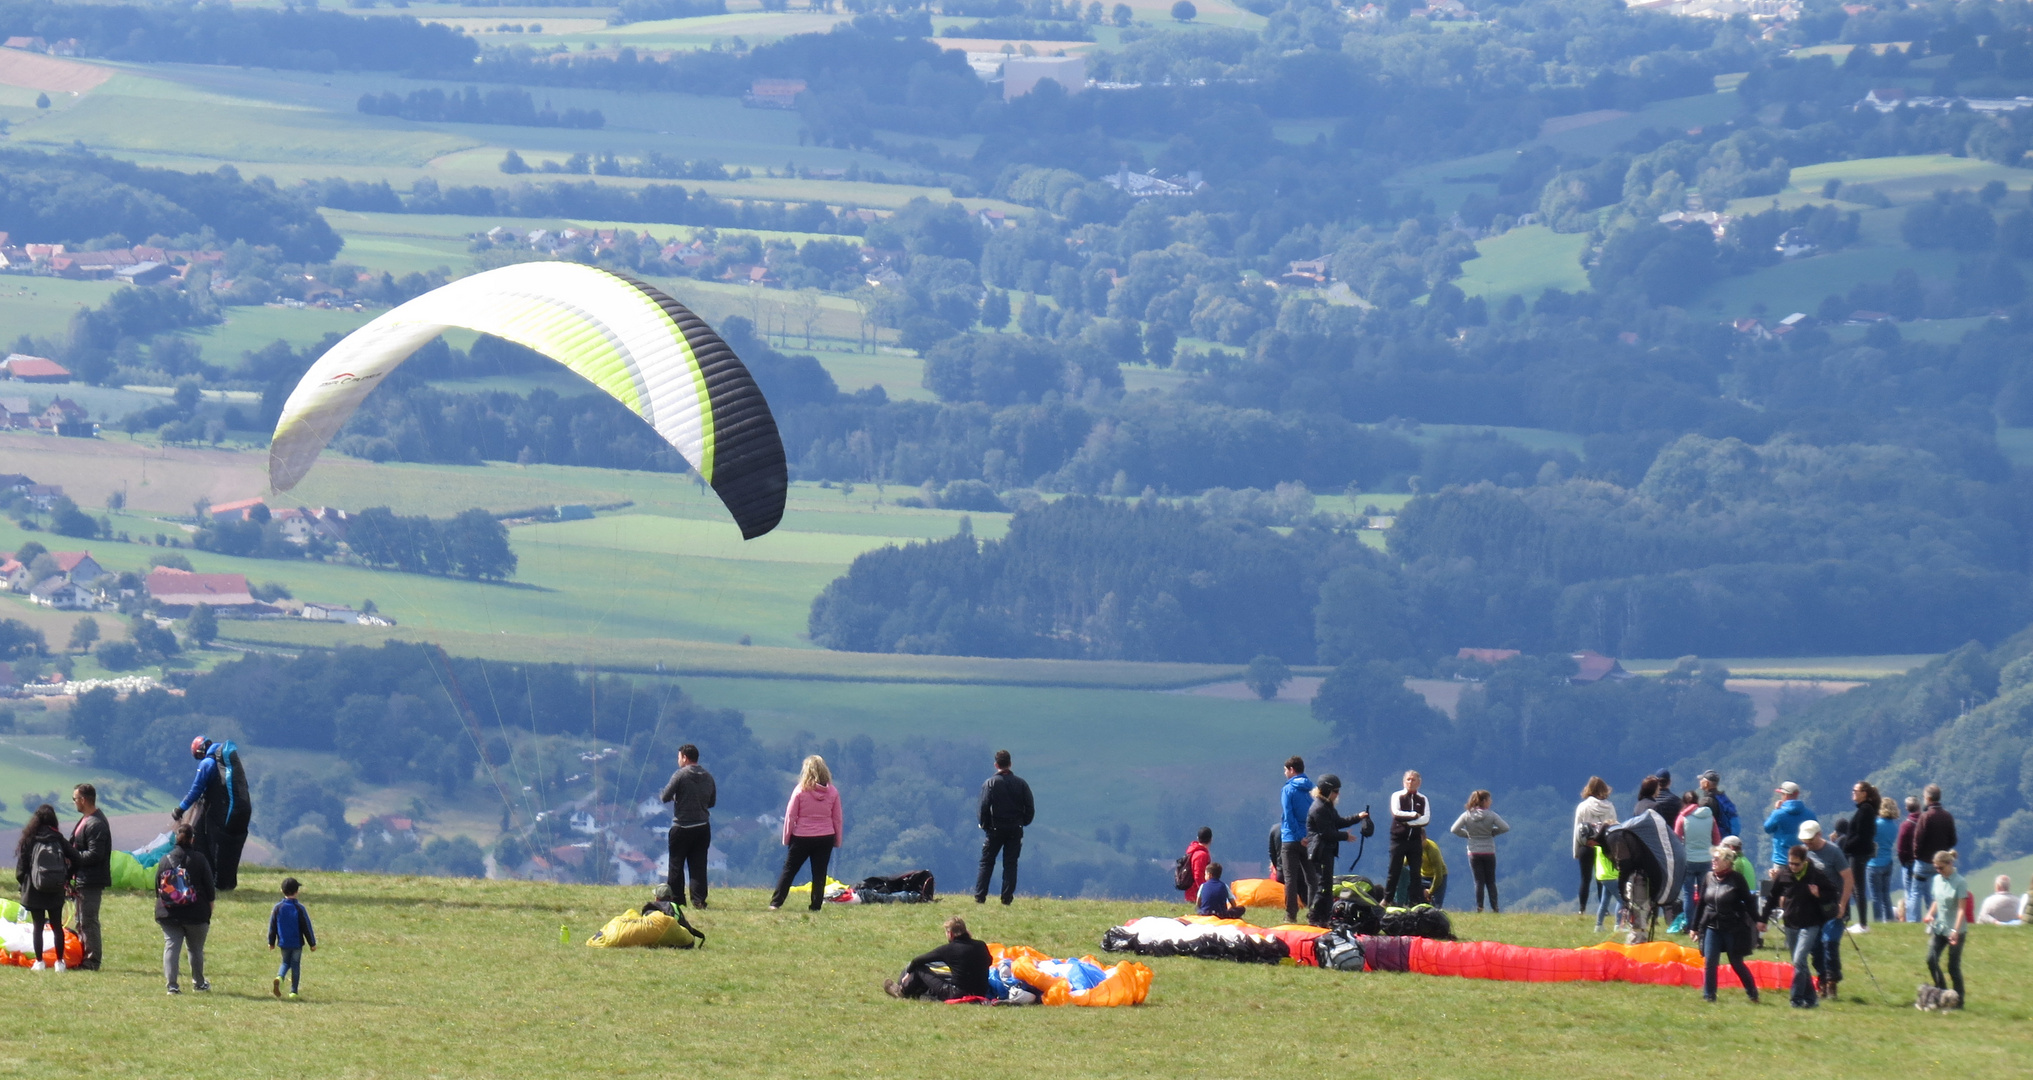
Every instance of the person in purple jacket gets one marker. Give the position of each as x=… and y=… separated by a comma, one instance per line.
x=289, y=926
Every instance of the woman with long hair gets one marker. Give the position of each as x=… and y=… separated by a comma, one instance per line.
x=43, y=861
x=1480, y=826
x=1594, y=809
x=811, y=831
x=1860, y=843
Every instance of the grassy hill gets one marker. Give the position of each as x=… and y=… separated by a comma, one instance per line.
x=467, y=978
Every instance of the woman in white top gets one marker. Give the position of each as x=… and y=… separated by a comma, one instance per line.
x=1594, y=809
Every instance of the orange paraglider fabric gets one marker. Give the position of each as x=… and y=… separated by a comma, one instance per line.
x=74, y=953
x=1127, y=983
x=1258, y=892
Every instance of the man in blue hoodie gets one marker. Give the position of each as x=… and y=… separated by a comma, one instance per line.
x=1293, y=801
x=1783, y=826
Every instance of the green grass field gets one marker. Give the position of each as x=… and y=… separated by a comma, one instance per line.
x=1808, y=667
x=51, y=763
x=457, y=978
x=43, y=306
x=1525, y=262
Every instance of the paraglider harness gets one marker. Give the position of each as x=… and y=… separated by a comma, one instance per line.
x=1356, y=910
x=230, y=778
x=1633, y=858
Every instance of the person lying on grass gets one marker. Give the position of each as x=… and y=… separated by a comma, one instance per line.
x=964, y=959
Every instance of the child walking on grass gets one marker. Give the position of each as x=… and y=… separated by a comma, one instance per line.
x=289, y=926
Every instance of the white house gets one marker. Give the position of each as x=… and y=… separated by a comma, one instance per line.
x=330, y=613
x=63, y=596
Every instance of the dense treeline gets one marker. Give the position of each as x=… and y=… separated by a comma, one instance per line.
x=665, y=204
x=1961, y=722
x=294, y=37
x=502, y=106
x=1722, y=547
x=76, y=197
x=403, y=713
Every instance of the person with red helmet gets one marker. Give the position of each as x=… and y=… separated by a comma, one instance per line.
x=204, y=806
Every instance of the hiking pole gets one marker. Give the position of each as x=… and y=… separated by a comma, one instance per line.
x=1867, y=967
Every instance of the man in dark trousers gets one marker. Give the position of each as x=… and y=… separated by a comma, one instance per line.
x=1295, y=800
x=204, y=806
x=93, y=837
x=691, y=794
x=966, y=975
x=1932, y=834
x=1410, y=814
x=1005, y=809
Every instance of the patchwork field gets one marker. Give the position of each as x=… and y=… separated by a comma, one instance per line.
x=459, y=976
x=1525, y=262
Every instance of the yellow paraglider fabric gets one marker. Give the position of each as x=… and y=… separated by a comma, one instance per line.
x=632, y=929
x=641, y=347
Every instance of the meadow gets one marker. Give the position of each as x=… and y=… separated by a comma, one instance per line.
x=454, y=978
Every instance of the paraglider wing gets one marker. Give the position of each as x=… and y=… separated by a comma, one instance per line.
x=641, y=347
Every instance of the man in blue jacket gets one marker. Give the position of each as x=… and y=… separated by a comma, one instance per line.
x=204, y=805
x=1293, y=801
x=1783, y=825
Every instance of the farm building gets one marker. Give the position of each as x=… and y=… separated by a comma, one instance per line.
x=36, y=369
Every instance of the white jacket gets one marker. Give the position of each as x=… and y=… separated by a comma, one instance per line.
x=1592, y=811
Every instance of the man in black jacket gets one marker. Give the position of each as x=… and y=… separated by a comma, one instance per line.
x=1805, y=894
x=1323, y=845
x=691, y=794
x=966, y=974
x=1410, y=814
x=93, y=837
x=1005, y=809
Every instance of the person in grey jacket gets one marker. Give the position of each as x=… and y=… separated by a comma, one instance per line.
x=691, y=794
x=1480, y=826
x=92, y=836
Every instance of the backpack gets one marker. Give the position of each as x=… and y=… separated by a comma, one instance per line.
x=1339, y=951
x=174, y=887
x=46, y=870
x=1182, y=874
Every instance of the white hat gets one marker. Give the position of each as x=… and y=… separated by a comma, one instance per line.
x=1810, y=829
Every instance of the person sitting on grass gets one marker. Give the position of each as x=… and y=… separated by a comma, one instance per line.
x=2001, y=908
x=966, y=965
x=1215, y=898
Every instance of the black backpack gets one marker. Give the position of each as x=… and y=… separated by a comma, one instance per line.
x=46, y=870
x=1182, y=874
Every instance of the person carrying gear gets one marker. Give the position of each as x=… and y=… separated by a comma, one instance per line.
x=204, y=806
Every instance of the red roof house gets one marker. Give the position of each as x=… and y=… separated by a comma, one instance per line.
x=181, y=588
x=36, y=369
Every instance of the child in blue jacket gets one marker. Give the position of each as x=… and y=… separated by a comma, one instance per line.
x=289, y=925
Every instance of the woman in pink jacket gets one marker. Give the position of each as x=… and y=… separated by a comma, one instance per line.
x=811, y=831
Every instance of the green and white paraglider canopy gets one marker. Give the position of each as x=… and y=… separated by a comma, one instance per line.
x=641, y=347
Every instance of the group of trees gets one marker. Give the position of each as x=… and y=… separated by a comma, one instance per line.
x=470, y=544
x=499, y=106
x=76, y=197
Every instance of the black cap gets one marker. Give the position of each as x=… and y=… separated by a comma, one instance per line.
x=1329, y=782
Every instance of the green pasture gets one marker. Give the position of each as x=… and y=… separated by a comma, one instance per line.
x=1907, y=179
x=134, y=112
x=1525, y=262
x=43, y=306
x=899, y=373
x=1094, y=754
x=246, y=329
x=46, y=763
x=1799, y=667
x=454, y=977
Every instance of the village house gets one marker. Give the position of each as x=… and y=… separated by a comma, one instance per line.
x=42, y=496
x=773, y=93
x=78, y=567
x=69, y=419
x=63, y=595
x=15, y=414
x=178, y=591
x=1594, y=667
x=13, y=574
x=238, y=510
x=338, y=613
x=35, y=369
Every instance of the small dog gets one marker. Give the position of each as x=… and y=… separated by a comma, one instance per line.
x=1934, y=999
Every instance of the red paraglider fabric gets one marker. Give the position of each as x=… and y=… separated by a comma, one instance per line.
x=1660, y=964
